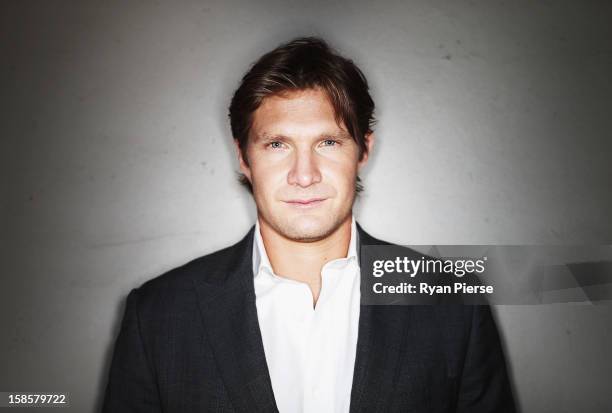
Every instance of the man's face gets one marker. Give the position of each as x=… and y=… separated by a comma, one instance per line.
x=302, y=165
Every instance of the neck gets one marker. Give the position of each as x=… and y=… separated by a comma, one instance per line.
x=303, y=261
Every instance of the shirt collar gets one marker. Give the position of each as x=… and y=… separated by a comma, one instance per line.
x=260, y=257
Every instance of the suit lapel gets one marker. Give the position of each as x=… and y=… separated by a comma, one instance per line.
x=226, y=298
x=227, y=304
x=380, y=337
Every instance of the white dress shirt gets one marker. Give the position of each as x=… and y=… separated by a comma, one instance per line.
x=310, y=352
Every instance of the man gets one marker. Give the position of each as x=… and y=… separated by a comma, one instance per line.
x=274, y=322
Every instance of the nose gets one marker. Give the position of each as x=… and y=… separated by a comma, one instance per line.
x=305, y=170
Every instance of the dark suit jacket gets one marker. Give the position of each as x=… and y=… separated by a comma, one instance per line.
x=190, y=342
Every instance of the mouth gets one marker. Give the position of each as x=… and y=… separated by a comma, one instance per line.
x=305, y=203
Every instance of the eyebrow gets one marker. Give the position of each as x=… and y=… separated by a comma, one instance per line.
x=266, y=136
x=339, y=134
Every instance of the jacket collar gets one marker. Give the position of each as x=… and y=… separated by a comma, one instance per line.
x=226, y=299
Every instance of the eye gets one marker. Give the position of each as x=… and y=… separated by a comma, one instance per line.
x=275, y=145
x=330, y=142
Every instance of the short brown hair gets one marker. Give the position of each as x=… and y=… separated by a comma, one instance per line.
x=301, y=64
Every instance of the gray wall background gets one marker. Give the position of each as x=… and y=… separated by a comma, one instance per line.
x=116, y=160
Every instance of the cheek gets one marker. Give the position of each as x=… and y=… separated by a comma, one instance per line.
x=341, y=176
x=267, y=179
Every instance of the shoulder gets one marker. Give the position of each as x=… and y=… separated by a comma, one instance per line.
x=457, y=313
x=211, y=268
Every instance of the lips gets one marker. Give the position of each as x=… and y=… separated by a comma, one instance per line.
x=305, y=203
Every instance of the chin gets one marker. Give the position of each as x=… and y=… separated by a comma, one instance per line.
x=309, y=228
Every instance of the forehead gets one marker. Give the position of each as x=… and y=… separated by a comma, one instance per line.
x=296, y=112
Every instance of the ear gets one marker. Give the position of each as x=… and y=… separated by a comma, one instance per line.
x=244, y=166
x=369, y=140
